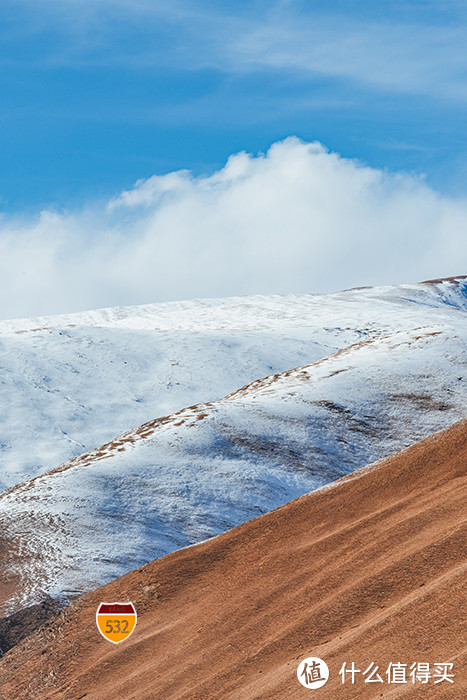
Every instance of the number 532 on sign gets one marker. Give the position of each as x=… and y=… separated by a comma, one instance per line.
x=116, y=621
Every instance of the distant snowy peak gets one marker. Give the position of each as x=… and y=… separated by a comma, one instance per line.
x=451, y=290
x=455, y=279
x=246, y=312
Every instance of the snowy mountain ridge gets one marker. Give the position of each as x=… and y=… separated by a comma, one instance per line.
x=70, y=383
x=201, y=470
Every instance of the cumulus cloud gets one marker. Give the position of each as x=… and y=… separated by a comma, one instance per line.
x=297, y=219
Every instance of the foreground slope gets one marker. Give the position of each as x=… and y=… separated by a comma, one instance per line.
x=71, y=383
x=186, y=477
x=368, y=569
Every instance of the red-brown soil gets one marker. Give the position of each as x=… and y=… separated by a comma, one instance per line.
x=455, y=278
x=369, y=569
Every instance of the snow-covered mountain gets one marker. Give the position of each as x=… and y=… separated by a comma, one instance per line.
x=384, y=368
x=70, y=383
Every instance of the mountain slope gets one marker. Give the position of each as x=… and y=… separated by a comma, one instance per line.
x=71, y=383
x=180, y=479
x=367, y=569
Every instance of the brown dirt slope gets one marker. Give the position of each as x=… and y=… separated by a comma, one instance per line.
x=369, y=569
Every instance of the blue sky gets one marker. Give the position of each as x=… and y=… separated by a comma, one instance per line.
x=120, y=121
x=96, y=94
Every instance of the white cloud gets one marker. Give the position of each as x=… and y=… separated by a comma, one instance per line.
x=298, y=219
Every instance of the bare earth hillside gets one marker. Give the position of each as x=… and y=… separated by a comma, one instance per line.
x=368, y=569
